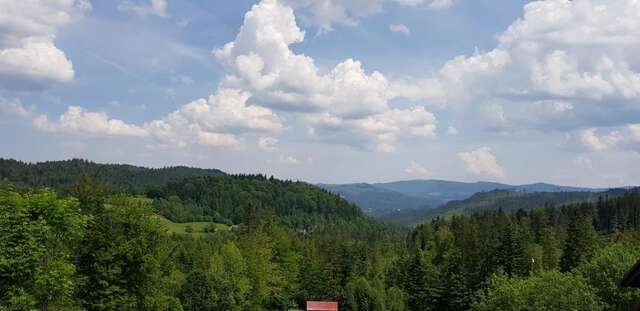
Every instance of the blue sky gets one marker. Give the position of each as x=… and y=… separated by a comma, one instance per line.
x=329, y=90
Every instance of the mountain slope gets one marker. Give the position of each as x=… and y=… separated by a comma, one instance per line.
x=376, y=201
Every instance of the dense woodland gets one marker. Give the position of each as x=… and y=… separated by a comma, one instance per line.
x=102, y=244
x=63, y=175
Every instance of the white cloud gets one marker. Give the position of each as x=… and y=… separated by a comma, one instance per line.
x=400, y=28
x=429, y=91
x=346, y=105
x=430, y=4
x=268, y=144
x=15, y=107
x=154, y=7
x=37, y=60
x=289, y=160
x=452, y=131
x=260, y=60
x=494, y=116
x=30, y=18
x=593, y=142
x=76, y=120
x=416, y=169
x=482, y=163
x=324, y=14
x=574, y=59
x=28, y=55
x=626, y=138
x=213, y=122
x=378, y=132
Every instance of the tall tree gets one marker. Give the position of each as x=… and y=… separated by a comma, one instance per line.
x=580, y=242
x=38, y=236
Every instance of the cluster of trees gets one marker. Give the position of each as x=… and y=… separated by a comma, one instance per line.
x=94, y=248
x=566, y=258
x=112, y=252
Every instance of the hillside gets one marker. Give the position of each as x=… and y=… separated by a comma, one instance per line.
x=505, y=200
x=235, y=199
x=184, y=194
x=376, y=201
x=61, y=175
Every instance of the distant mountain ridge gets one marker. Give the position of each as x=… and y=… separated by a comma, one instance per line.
x=506, y=200
x=377, y=201
x=452, y=190
x=383, y=199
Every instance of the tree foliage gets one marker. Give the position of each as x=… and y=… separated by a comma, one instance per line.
x=91, y=246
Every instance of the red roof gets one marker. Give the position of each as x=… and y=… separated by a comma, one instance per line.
x=322, y=306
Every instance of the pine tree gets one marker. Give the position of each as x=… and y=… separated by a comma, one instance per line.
x=580, y=243
x=550, y=250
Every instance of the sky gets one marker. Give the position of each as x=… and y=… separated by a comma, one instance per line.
x=333, y=91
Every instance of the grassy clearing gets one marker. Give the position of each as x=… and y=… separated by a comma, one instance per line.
x=196, y=228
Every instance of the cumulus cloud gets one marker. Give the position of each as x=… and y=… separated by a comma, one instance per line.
x=28, y=55
x=37, y=60
x=400, y=28
x=346, y=104
x=378, y=132
x=77, y=120
x=593, y=142
x=481, y=162
x=23, y=19
x=227, y=111
x=569, y=58
x=268, y=144
x=625, y=138
x=154, y=7
x=416, y=169
x=213, y=122
x=260, y=60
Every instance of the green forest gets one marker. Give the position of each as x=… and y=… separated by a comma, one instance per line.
x=75, y=235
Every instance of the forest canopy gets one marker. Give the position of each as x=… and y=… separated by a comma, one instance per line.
x=249, y=242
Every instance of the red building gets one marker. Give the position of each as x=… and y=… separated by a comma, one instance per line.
x=322, y=306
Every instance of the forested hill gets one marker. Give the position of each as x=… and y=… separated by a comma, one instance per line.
x=61, y=175
x=240, y=198
x=505, y=200
x=185, y=194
